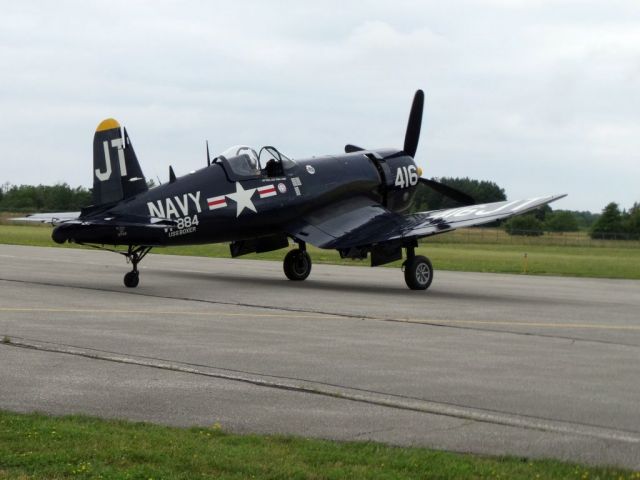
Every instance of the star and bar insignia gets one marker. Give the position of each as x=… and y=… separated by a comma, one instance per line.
x=242, y=198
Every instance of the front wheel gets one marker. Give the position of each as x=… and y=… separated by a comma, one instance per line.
x=297, y=265
x=418, y=272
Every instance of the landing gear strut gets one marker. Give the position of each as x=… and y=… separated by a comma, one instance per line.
x=418, y=271
x=297, y=263
x=134, y=255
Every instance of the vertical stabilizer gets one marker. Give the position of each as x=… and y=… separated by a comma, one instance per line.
x=116, y=172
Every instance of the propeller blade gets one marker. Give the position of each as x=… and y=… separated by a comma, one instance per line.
x=348, y=148
x=413, y=126
x=448, y=191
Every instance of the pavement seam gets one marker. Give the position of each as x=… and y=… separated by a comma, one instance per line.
x=432, y=323
x=379, y=399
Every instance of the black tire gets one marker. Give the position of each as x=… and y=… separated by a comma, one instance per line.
x=297, y=265
x=131, y=279
x=418, y=272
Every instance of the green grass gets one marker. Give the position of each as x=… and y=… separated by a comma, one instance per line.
x=500, y=236
x=505, y=257
x=35, y=446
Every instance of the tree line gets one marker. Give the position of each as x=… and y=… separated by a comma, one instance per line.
x=611, y=224
x=613, y=221
x=38, y=198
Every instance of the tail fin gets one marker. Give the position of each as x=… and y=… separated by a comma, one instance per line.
x=116, y=172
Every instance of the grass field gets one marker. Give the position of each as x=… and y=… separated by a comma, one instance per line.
x=541, y=259
x=559, y=239
x=41, y=447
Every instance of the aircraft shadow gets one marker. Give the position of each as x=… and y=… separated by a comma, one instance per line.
x=396, y=287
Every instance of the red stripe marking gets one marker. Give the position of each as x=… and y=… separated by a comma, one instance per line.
x=267, y=189
x=216, y=202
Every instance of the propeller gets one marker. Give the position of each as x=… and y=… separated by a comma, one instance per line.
x=413, y=126
x=448, y=191
x=348, y=148
x=412, y=135
x=411, y=138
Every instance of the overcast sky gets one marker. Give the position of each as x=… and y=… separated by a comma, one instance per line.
x=541, y=97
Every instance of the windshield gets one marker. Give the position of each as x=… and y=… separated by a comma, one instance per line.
x=246, y=162
x=242, y=159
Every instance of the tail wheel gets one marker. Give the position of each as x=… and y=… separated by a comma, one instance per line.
x=418, y=272
x=297, y=265
x=134, y=255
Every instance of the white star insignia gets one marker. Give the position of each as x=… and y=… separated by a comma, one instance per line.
x=242, y=198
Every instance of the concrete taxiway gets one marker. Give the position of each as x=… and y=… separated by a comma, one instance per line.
x=494, y=364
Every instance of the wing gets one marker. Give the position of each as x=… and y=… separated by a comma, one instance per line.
x=361, y=222
x=424, y=224
x=352, y=222
x=52, y=218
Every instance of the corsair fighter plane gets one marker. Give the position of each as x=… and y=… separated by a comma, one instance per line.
x=259, y=200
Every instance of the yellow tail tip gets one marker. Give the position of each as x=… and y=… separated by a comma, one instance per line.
x=419, y=172
x=108, y=124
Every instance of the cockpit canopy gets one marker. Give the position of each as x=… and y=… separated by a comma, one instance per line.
x=245, y=162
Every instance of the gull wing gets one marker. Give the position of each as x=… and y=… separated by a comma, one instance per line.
x=424, y=224
x=354, y=221
x=362, y=222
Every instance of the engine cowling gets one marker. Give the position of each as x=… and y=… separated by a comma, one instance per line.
x=400, y=176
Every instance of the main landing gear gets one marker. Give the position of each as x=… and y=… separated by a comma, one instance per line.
x=297, y=263
x=134, y=255
x=418, y=271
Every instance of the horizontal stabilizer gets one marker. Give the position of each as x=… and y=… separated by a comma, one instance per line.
x=52, y=218
x=114, y=230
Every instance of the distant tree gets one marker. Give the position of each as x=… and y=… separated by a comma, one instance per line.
x=527, y=225
x=24, y=197
x=585, y=219
x=610, y=222
x=482, y=191
x=541, y=212
x=632, y=221
x=59, y=197
x=561, y=221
